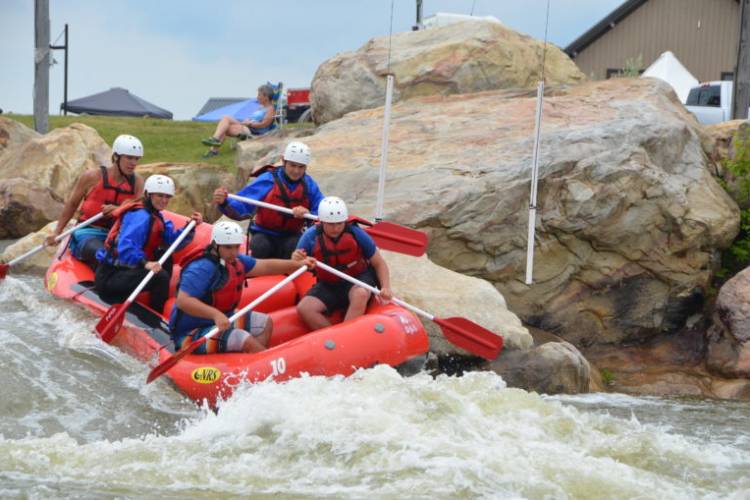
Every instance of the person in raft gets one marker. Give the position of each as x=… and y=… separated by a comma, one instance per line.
x=210, y=289
x=259, y=123
x=350, y=249
x=101, y=190
x=138, y=237
x=275, y=234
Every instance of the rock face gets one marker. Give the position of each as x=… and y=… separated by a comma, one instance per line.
x=729, y=336
x=455, y=59
x=13, y=134
x=550, y=368
x=37, y=173
x=630, y=219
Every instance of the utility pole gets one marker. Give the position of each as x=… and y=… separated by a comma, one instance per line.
x=741, y=87
x=65, y=87
x=41, y=65
x=418, y=26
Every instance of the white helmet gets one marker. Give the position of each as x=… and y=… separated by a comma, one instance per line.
x=297, y=152
x=227, y=233
x=332, y=209
x=127, y=145
x=159, y=184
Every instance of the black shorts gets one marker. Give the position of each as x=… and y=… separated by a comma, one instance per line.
x=335, y=296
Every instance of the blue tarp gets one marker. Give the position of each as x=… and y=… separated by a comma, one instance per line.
x=239, y=110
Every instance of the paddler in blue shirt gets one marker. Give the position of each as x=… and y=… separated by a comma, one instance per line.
x=138, y=237
x=275, y=234
x=349, y=249
x=210, y=289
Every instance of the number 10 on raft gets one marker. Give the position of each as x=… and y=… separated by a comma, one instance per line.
x=278, y=366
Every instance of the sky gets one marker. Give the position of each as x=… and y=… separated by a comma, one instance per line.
x=177, y=54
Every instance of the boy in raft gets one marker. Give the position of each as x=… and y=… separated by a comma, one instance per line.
x=275, y=234
x=101, y=190
x=210, y=289
x=350, y=249
x=132, y=248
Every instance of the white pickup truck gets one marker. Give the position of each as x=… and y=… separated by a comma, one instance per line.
x=711, y=102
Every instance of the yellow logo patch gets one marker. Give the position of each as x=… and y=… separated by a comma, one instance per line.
x=206, y=375
x=52, y=282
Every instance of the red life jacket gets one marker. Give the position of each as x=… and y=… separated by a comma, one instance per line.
x=279, y=195
x=225, y=296
x=104, y=193
x=155, y=231
x=343, y=253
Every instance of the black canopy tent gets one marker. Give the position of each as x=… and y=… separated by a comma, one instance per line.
x=116, y=102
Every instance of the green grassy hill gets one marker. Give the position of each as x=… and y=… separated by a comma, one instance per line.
x=163, y=140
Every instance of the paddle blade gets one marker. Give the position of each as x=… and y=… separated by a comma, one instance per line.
x=3, y=271
x=471, y=337
x=397, y=238
x=168, y=363
x=111, y=322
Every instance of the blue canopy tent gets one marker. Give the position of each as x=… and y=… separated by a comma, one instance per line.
x=239, y=110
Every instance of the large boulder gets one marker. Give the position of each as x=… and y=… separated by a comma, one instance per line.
x=38, y=173
x=729, y=336
x=13, y=134
x=455, y=59
x=630, y=220
x=444, y=293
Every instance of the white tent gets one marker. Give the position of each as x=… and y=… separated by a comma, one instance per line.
x=668, y=68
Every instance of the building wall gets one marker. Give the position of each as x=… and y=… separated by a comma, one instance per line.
x=702, y=34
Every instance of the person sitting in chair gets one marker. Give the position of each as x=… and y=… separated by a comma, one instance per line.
x=260, y=122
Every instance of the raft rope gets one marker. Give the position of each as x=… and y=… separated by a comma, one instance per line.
x=535, y=161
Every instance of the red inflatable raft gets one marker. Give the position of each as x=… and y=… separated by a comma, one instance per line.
x=387, y=334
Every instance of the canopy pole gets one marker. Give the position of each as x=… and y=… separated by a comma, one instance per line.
x=535, y=162
x=384, y=148
x=534, y=183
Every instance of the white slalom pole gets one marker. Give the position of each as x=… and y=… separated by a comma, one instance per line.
x=534, y=182
x=384, y=149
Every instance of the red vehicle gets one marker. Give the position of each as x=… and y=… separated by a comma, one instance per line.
x=298, y=104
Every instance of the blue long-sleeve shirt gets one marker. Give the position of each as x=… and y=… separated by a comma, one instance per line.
x=260, y=188
x=133, y=236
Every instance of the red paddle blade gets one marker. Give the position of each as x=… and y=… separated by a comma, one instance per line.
x=471, y=337
x=397, y=238
x=111, y=322
x=3, y=271
x=168, y=363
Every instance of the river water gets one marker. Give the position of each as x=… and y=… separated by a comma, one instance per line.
x=78, y=421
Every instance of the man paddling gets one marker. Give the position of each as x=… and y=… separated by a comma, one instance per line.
x=210, y=289
x=101, y=190
x=275, y=234
x=347, y=248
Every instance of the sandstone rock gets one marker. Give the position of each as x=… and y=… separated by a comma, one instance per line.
x=455, y=59
x=13, y=134
x=551, y=368
x=444, y=293
x=729, y=336
x=721, y=146
x=40, y=261
x=38, y=174
x=630, y=220
x=24, y=206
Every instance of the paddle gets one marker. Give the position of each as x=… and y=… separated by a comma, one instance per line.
x=387, y=235
x=87, y=222
x=112, y=320
x=460, y=331
x=168, y=363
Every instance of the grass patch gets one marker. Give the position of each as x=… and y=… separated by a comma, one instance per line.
x=169, y=141
x=608, y=378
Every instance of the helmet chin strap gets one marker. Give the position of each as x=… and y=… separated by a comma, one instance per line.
x=117, y=164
